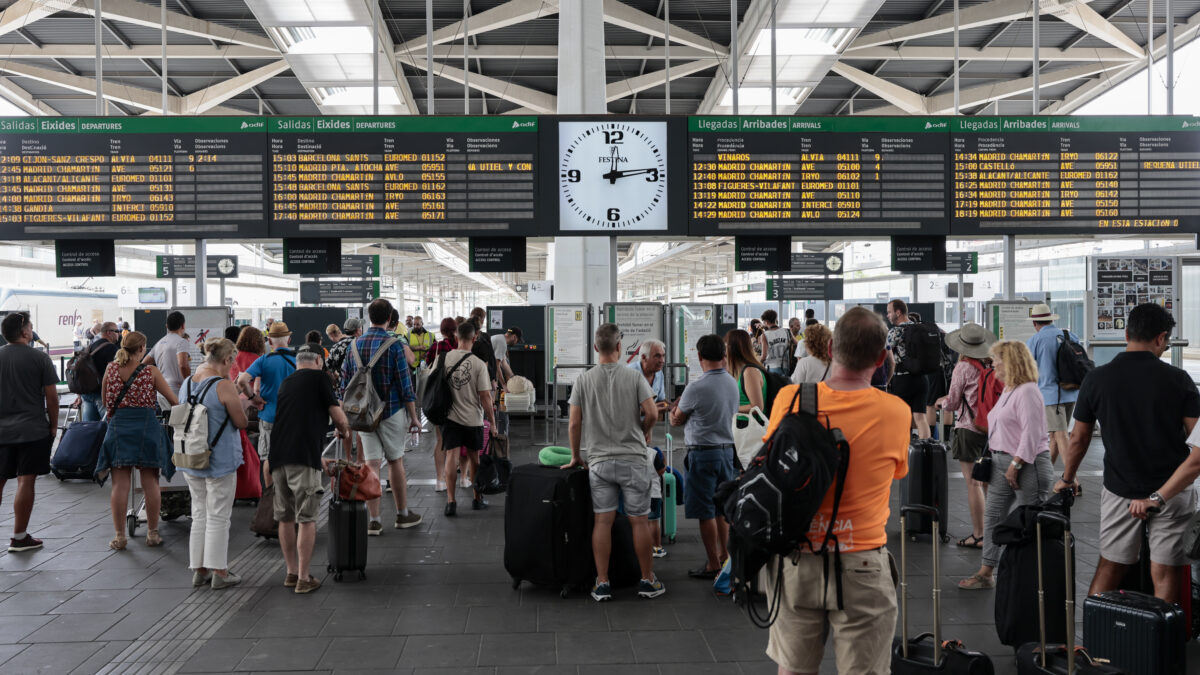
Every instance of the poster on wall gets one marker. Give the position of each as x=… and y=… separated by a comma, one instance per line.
x=1120, y=283
x=639, y=322
x=1009, y=320
x=568, y=341
x=691, y=323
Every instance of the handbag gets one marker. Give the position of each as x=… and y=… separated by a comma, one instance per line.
x=982, y=469
x=494, y=467
x=249, y=484
x=356, y=481
x=748, y=431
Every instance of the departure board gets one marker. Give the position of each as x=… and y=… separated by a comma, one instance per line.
x=403, y=176
x=1076, y=175
x=132, y=178
x=818, y=175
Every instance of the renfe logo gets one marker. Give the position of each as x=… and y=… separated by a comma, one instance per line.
x=68, y=319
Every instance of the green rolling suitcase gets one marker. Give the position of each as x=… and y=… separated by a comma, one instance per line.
x=670, y=523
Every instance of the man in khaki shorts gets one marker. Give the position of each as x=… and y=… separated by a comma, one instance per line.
x=876, y=425
x=303, y=408
x=1147, y=409
x=1060, y=403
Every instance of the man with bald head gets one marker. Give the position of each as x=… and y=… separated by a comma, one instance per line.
x=103, y=349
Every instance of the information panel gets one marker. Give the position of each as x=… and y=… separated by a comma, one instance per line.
x=818, y=175
x=403, y=176
x=132, y=178
x=1122, y=282
x=1076, y=175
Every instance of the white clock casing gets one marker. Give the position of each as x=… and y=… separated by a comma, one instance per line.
x=612, y=175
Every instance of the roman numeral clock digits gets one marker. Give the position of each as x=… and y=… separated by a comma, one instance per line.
x=612, y=176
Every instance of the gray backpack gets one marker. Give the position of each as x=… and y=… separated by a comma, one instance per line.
x=361, y=402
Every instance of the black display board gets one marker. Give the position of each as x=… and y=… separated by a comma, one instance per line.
x=817, y=264
x=527, y=358
x=152, y=323
x=763, y=254
x=610, y=175
x=356, y=267
x=184, y=266
x=85, y=258
x=918, y=254
x=496, y=254
x=804, y=289
x=403, y=176
x=840, y=176
x=1076, y=175
x=132, y=178
x=338, y=292
x=300, y=320
x=312, y=256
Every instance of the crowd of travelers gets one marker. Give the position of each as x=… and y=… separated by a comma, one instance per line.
x=1007, y=399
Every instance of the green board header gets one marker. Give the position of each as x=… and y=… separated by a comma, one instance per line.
x=1082, y=123
x=132, y=125
x=410, y=124
x=866, y=124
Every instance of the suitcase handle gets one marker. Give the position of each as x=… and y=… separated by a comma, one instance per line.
x=937, y=584
x=1069, y=578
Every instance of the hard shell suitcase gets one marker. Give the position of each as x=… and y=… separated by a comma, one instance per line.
x=927, y=484
x=927, y=653
x=1140, y=633
x=1138, y=578
x=1038, y=658
x=670, y=487
x=347, y=535
x=78, y=450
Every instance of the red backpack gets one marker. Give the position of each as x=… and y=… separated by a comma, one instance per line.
x=990, y=388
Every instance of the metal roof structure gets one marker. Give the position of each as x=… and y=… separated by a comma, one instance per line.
x=834, y=56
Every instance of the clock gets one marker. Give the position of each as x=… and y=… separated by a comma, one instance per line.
x=612, y=175
x=225, y=266
x=833, y=264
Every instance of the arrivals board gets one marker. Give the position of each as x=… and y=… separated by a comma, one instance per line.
x=403, y=176
x=1076, y=175
x=840, y=176
x=132, y=178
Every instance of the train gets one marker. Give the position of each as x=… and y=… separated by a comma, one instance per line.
x=54, y=312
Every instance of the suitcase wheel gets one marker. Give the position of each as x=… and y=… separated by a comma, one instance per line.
x=362, y=576
x=945, y=538
x=516, y=583
x=329, y=569
x=671, y=539
x=58, y=475
x=565, y=592
x=131, y=523
x=337, y=577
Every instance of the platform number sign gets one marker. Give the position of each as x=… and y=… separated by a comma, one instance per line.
x=612, y=175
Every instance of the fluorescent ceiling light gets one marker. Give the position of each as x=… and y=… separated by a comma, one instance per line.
x=761, y=96
x=356, y=96
x=800, y=41
x=326, y=39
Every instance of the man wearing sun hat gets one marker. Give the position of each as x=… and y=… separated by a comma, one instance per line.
x=270, y=369
x=1060, y=403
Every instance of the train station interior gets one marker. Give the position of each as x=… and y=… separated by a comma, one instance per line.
x=543, y=168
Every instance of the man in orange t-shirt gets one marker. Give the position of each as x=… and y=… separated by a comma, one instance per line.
x=876, y=425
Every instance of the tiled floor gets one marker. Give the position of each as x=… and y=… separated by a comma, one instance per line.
x=436, y=600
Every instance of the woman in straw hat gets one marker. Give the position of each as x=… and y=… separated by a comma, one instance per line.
x=971, y=342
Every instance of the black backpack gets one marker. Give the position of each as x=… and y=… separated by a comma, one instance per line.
x=775, y=382
x=439, y=397
x=82, y=376
x=1072, y=362
x=770, y=508
x=922, y=349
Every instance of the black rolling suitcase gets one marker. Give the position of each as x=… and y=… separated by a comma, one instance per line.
x=927, y=653
x=1038, y=658
x=1138, y=632
x=347, y=534
x=1017, y=600
x=927, y=483
x=547, y=527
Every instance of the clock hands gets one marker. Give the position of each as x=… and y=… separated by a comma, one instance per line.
x=613, y=175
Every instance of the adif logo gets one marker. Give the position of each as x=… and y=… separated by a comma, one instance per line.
x=252, y=125
x=522, y=125
x=1186, y=124
x=935, y=125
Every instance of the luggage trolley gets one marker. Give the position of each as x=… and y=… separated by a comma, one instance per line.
x=180, y=499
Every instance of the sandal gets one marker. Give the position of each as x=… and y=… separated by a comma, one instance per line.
x=152, y=538
x=118, y=543
x=971, y=542
x=976, y=582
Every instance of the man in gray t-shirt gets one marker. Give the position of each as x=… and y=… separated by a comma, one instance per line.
x=172, y=355
x=28, y=421
x=612, y=415
x=706, y=411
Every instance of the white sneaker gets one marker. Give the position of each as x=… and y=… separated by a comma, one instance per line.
x=464, y=482
x=440, y=486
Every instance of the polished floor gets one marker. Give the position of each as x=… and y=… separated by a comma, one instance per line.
x=436, y=600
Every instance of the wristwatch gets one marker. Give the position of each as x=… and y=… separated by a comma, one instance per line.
x=1154, y=496
x=1018, y=463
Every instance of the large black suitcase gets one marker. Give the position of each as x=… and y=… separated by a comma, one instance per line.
x=548, y=531
x=1016, y=598
x=926, y=484
x=347, y=534
x=927, y=653
x=78, y=450
x=1138, y=632
x=1036, y=657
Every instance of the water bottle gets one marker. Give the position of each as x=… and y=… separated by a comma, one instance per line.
x=414, y=440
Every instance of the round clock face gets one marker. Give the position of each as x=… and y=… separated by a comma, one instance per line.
x=225, y=265
x=833, y=263
x=612, y=175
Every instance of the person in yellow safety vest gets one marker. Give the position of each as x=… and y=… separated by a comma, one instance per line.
x=420, y=340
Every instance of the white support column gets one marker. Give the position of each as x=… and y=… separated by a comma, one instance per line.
x=585, y=268
x=1010, y=267
x=202, y=273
